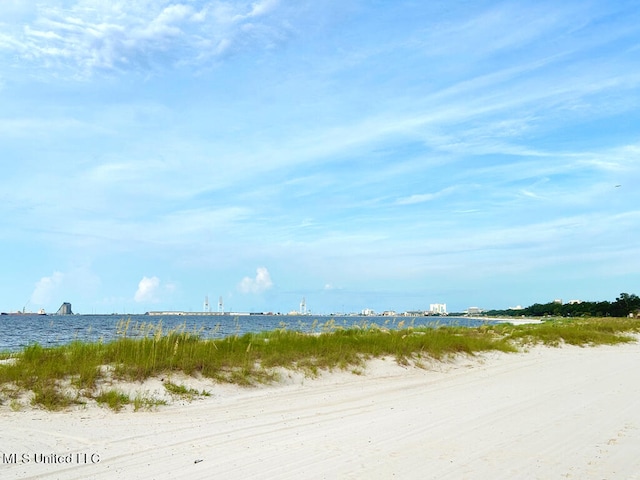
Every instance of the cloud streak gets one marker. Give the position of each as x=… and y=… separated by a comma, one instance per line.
x=381, y=147
x=425, y=197
x=85, y=36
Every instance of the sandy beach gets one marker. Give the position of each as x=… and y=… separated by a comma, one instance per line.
x=548, y=413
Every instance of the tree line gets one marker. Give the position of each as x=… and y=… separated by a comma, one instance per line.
x=624, y=305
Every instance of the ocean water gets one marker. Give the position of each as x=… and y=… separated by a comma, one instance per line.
x=19, y=331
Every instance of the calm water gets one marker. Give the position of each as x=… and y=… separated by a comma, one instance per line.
x=19, y=331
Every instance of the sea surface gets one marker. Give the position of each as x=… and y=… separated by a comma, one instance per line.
x=19, y=331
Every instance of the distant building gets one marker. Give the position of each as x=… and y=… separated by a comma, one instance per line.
x=414, y=313
x=474, y=311
x=368, y=312
x=303, y=306
x=389, y=313
x=438, y=308
x=65, y=309
x=558, y=301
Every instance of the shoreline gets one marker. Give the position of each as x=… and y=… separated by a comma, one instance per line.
x=545, y=413
x=513, y=321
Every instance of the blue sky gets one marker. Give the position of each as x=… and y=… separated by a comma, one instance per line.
x=362, y=154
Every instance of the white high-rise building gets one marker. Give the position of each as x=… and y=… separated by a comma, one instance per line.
x=303, y=307
x=439, y=308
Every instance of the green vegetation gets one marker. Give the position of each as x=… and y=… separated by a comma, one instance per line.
x=145, y=402
x=626, y=304
x=114, y=399
x=581, y=332
x=59, y=377
x=184, y=391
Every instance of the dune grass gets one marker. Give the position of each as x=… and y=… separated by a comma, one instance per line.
x=62, y=376
x=183, y=391
x=114, y=399
x=578, y=331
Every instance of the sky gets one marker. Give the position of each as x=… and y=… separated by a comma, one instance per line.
x=364, y=154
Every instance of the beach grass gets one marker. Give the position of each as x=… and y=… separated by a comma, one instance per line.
x=114, y=399
x=146, y=402
x=578, y=331
x=183, y=391
x=63, y=376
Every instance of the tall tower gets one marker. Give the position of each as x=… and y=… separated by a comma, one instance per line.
x=220, y=305
x=206, y=304
x=303, y=307
x=65, y=309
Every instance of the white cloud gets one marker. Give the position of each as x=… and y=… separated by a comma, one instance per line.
x=261, y=283
x=262, y=8
x=424, y=197
x=147, y=290
x=46, y=288
x=136, y=35
x=51, y=291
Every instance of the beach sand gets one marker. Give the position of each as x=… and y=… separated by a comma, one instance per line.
x=548, y=413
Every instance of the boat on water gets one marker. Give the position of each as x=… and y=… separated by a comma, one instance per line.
x=65, y=309
x=23, y=312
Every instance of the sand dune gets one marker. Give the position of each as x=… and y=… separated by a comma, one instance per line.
x=549, y=413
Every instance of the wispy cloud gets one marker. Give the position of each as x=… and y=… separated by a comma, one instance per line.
x=86, y=36
x=425, y=197
x=342, y=143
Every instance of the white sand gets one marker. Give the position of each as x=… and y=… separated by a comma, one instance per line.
x=549, y=413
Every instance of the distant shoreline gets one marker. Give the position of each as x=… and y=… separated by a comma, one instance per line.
x=514, y=321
